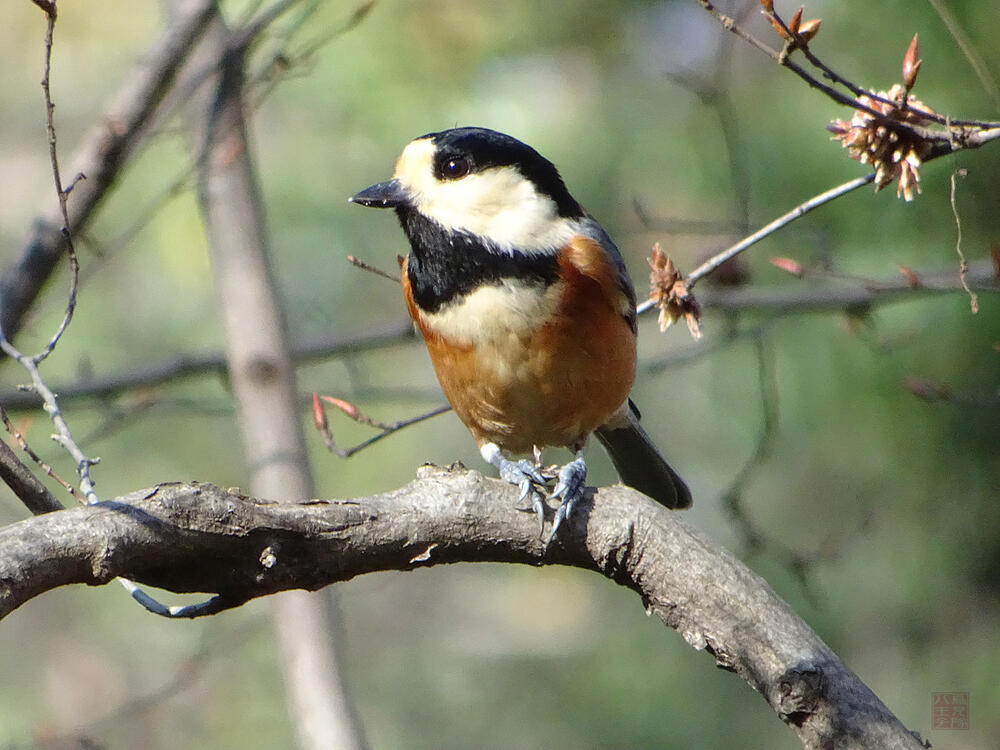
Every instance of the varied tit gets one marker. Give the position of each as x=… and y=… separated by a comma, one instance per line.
x=526, y=309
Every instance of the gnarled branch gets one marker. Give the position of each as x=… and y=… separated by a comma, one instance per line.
x=198, y=537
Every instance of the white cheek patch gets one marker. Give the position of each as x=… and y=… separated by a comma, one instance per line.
x=497, y=204
x=493, y=314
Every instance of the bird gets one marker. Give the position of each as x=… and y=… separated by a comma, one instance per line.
x=527, y=312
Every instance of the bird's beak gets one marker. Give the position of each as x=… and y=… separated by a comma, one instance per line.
x=389, y=194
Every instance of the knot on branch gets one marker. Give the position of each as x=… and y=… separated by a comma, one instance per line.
x=800, y=690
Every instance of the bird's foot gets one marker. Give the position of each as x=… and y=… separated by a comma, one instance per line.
x=530, y=477
x=570, y=488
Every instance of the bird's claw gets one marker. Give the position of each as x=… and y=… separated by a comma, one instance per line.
x=570, y=487
x=529, y=478
x=517, y=472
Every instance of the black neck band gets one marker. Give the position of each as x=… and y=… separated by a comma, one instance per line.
x=446, y=264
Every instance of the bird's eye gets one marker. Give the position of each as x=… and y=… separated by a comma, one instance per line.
x=455, y=168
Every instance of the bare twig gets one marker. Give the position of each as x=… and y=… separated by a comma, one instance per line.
x=696, y=352
x=357, y=262
x=182, y=366
x=49, y=6
x=860, y=293
x=144, y=216
x=25, y=485
x=757, y=540
x=284, y=59
x=19, y=439
x=952, y=138
x=63, y=434
x=732, y=498
x=796, y=213
x=212, y=647
x=101, y=158
x=179, y=611
x=930, y=390
x=858, y=296
x=243, y=36
x=74, y=264
x=982, y=71
x=385, y=428
x=963, y=265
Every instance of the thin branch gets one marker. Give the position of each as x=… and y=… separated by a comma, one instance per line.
x=798, y=563
x=19, y=439
x=181, y=366
x=63, y=434
x=983, y=73
x=165, y=535
x=186, y=673
x=50, y=127
x=957, y=137
x=101, y=158
x=963, y=265
x=698, y=351
x=732, y=497
x=242, y=38
x=28, y=488
x=49, y=6
x=280, y=63
x=855, y=297
x=783, y=58
x=678, y=225
x=930, y=390
x=385, y=428
x=179, y=611
x=358, y=263
x=859, y=294
x=796, y=213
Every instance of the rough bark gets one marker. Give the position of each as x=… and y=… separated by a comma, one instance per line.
x=187, y=537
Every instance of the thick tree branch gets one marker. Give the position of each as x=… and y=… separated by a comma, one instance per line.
x=167, y=535
x=262, y=374
x=102, y=157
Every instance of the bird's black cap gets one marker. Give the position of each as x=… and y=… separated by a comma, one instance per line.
x=484, y=148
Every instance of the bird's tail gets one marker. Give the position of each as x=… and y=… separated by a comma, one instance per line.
x=639, y=463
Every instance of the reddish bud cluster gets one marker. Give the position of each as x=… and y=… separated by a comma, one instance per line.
x=796, y=31
x=895, y=154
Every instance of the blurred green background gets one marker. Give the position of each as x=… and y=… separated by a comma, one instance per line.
x=878, y=511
